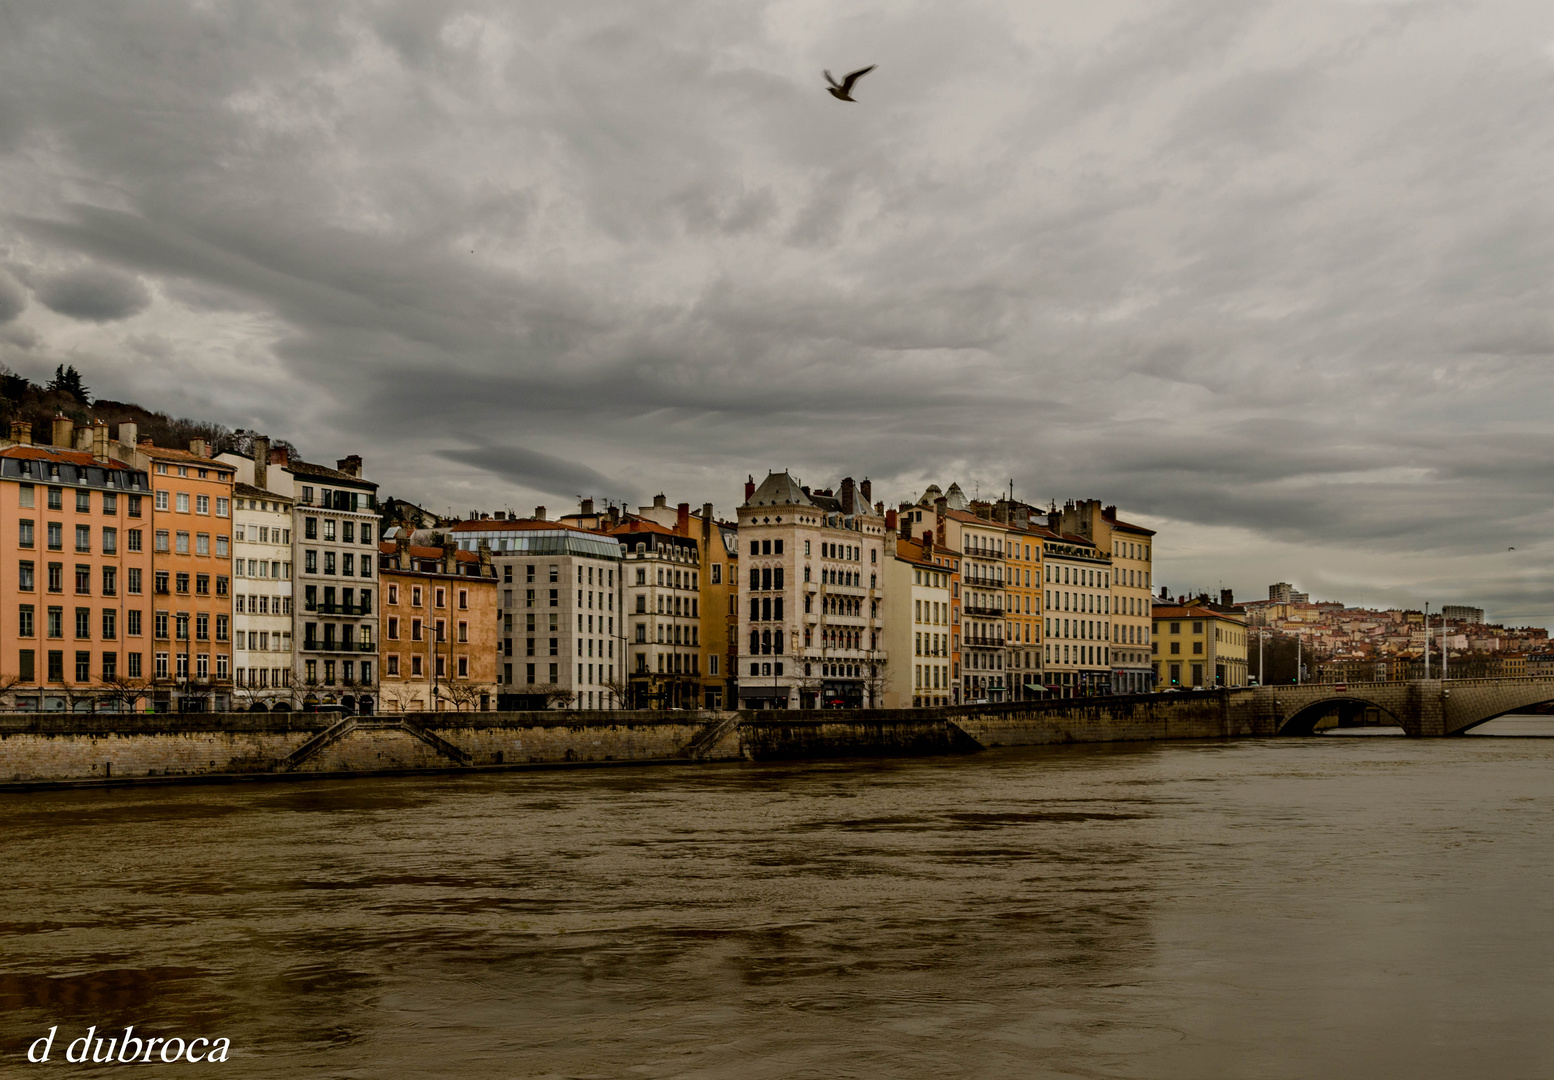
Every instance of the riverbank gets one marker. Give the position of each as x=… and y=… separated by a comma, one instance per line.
x=50, y=750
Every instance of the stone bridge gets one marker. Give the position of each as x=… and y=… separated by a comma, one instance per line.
x=1422, y=707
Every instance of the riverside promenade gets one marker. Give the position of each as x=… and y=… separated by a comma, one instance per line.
x=41, y=750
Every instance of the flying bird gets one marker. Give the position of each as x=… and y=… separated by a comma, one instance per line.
x=843, y=90
x=1510, y=549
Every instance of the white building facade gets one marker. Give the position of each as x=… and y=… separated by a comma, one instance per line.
x=261, y=597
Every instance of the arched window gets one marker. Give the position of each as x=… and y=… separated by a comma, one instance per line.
x=766, y=641
x=777, y=643
x=755, y=642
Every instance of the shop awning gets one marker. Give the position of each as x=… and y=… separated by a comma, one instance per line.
x=763, y=691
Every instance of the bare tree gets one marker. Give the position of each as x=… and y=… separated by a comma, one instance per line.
x=398, y=697
x=463, y=694
x=124, y=691
x=874, y=676
x=619, y=689
x=7, y=684
x=556, y=696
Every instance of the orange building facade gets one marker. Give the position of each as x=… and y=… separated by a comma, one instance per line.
x=438, y=630
x=75, y=582
x=191, y=567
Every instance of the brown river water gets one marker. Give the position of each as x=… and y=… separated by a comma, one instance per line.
x=1317, y=907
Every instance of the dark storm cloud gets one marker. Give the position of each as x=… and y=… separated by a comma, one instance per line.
x=94, y=294
x=537, y=471
x=1277, y=270
x=13, y=298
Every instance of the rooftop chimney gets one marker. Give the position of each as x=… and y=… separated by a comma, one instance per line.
x=539, y=513
x=682, y=519
x=879, y=508
x=100, y=440
x=588, y=508
x=660, y=500
x=1226, y=597
x=261, y=461
x=866, y=489
x=351, y=466
x=84, y=438
x=500, y=515
x=279, y=455
x=890, y=520
x=928, y=542
x=750, y=487
x=706, y=526
x=64, y=431
x=129, y=434
x=21, y=431
x=849, y=504
x=197, y=448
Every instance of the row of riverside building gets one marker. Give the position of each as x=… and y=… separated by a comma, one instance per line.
x=144, y=577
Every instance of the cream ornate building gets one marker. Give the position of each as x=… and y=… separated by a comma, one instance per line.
x=811, y=596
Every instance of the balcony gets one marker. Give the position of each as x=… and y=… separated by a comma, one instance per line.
x=986, y=612
x=327, y=646
x=342, y=609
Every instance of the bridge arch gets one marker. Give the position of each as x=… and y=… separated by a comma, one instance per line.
x=1303, y=718
x=1467, y=703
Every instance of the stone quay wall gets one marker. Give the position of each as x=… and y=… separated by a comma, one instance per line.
x=54, y=749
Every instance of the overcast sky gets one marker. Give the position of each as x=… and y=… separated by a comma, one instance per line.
x=1274, y=278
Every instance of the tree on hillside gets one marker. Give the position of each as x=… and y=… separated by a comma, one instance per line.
x=67, y=380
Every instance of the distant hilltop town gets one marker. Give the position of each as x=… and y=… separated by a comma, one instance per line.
x=196, y=568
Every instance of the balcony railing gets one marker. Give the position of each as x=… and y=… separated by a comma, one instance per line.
x=341, y=609
x=310, y=645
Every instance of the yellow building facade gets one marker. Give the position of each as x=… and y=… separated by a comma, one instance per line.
x=1195, y=647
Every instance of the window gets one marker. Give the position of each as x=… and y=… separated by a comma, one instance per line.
x=24, y=532
x=24, y=621
x=83, y=622
x=25, y=495
x=110, y=624
x=310, y=561
x=56, y=627
x=161, y=540
x=56, y=536
x=24, y=577
x=83, y=579
x=132, y=623
x=83, y=667
x=56, y=498
x=329, y=528
x=181, y=582
x=222, y=504
x=134, y=512
x=183, y=502
x=329, y=562
x=159, y=623
x=221, y=547
x=202, y=504
x=202, y=543
x=110, y=541
x=309, y=526
x=181, y=543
